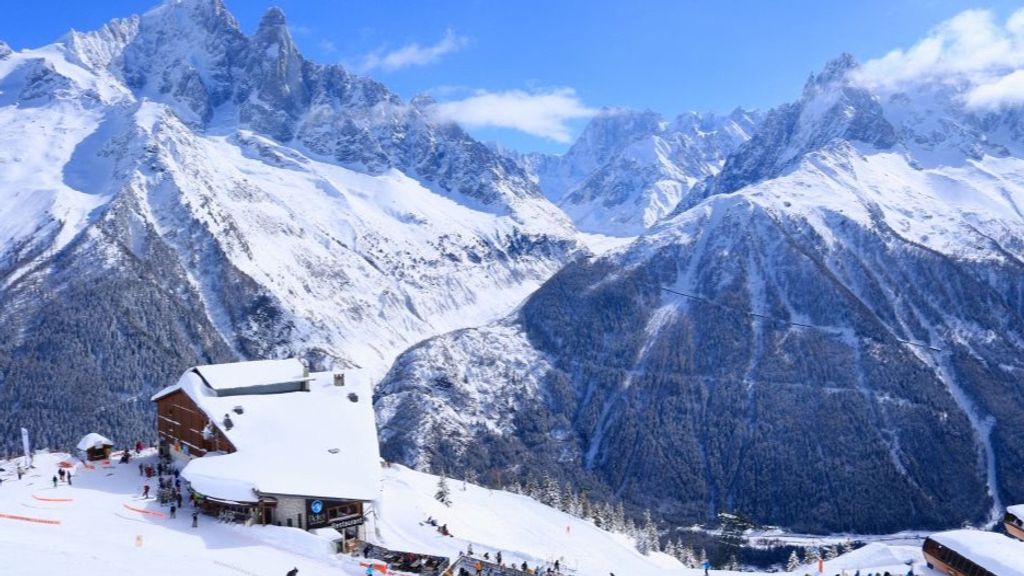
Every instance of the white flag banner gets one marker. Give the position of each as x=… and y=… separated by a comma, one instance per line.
x=25, y=445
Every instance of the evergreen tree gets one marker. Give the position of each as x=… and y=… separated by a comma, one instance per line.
x=618, y=519
x=671, y=549
x=585, y=509
x=688, y=557
x=599, y=516
x=733, y=564
x=810, y=555
x=443, y=494
x=571, y=502
x=793, y=563
x=831, y=553
x=532, y=489
x=551, y=494
x=650, y=533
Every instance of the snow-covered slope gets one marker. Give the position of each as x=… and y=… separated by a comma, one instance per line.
x=99, y=525
x=630, y=168
x=815, y=338
x=175, y=192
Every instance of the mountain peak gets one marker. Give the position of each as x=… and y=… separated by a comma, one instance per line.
x=834, y=72
x=273, y=18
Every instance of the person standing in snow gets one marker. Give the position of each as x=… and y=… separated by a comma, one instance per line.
x=20, y=471
x=54, y=480
x=707, y=566
x=195, y=519
x=369, y=570
x=479, y=568
x=173, y=510
x=141, y=468
x=498, y=557
x=145, y=491
x=293, y=572
x=68, y=477
x=178, y=498
x=60, y=472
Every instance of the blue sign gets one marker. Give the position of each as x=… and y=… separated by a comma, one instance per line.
x=317, y=506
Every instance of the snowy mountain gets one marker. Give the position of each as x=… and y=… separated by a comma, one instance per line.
x=827, y=335
x=630, y=168
x=175, y=192
x=55, y=530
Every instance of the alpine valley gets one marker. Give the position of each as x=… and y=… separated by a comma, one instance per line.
x=811, y=316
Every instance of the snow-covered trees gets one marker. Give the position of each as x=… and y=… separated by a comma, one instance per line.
x=443, y=494
x=793, y=563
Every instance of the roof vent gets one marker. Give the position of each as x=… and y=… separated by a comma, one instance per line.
x=334, y=450
x=228, y=424
x=353, y=396
x=239, y=410
x=339, y=378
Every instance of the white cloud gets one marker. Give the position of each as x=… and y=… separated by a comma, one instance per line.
x=544, y=113
x=970, y=49
x=327, y=46
x=414, y=54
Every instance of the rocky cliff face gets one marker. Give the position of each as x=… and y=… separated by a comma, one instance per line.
x=628, y=169
x=826, y=335
x=175, y=191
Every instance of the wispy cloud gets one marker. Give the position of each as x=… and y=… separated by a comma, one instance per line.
x=327, y=46
x=543, y=113
x=414, y=54
x=971, y=49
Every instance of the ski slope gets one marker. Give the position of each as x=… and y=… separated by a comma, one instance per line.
x=100, y=525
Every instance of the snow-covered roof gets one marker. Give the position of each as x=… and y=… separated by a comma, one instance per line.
x=240, y=375
x=255, y=373
x=319, y=443
x=994, y=552
x=93, y=440
x=1017, y=510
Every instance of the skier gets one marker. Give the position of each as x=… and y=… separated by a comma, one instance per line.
x=60, y=473
x=293, y=572
x=141, y=468
x=178, y=498
x=68, y=476
x=369, y=570
x=145, y=491
x=524, y=566
x=498, y=557
x=173, y=510
x=558, y=566
x=707, y=566
x=20, y=471
x=195, y=519
x=54, y=480
x=366, y=551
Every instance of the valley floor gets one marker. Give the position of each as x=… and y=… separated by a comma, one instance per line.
x=100, y=525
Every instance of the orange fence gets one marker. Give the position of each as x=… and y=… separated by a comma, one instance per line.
x=29, y=519
x=141, y=511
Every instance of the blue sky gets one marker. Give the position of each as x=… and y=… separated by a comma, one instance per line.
x=554, y=62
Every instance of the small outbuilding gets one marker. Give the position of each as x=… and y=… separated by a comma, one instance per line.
x=95, y=447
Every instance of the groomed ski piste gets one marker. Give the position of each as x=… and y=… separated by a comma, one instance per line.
x=100, y=525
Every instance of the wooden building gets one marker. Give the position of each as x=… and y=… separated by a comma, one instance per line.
x=93, y=446
x=268, y=442
x=1014, y=522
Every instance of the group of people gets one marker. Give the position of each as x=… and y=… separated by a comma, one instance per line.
x=442, y=528
x=480, y=567
x=169, y=489
x=65, y=476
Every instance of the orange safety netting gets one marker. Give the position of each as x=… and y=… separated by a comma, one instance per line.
x=141, y=511
x=29, y=519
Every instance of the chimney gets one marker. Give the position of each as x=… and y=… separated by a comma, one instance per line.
x=339, y=378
